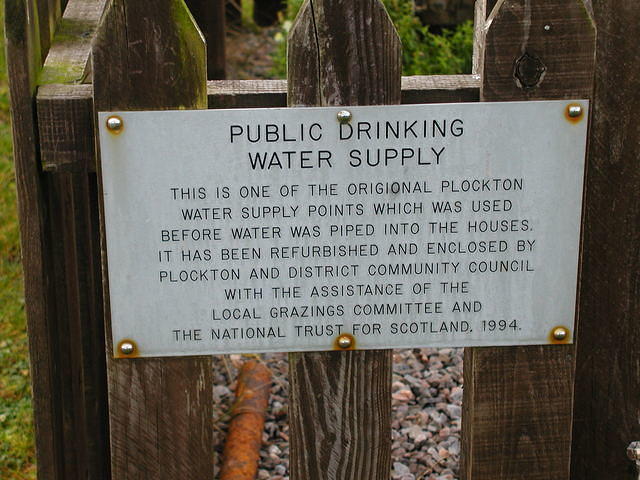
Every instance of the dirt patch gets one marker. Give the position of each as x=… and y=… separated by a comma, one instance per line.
x=249, y=54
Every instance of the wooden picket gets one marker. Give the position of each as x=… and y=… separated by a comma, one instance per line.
x=98, y=419
x=62, y=278
x=340, y=401
x=518, y=401
x=160, y=410
x=607, y=379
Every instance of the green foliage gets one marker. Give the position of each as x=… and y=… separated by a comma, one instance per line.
x=423, y=52
x=280, y=53
x=426, y=53
x=247, y=8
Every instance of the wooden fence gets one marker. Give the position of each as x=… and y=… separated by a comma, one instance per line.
x=542, y=412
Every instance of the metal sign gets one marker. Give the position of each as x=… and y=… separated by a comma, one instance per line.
x=325, y=228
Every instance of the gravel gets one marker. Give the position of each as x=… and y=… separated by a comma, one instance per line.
x=426, y=413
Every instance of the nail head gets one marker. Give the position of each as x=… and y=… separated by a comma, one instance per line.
x=560, y=334
x=127, y=348
x=344, y=116
x=574, y=111
x=114, y=124
x=345, y=342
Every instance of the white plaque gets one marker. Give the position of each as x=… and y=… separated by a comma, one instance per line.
x=280, y=229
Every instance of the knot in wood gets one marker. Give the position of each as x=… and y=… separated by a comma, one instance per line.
x=529, y=71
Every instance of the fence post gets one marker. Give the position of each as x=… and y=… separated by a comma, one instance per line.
x=149, y=55
x=518, y=401
x=342, y=53
x=28, y=37
x=607, y=387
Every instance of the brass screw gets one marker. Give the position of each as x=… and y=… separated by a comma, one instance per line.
x=560, y=334
x=574, y=111
x=115, y=124
x=345, y=341
x=344, y=116
x=127, y=348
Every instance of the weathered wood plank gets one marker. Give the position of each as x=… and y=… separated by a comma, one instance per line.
x=518, y=401
x=341, y=401
x=479, y=19
x=150, y=55
x=210, y=17
x=68, y=57
x=607, y=387
x=65, y=120
x=133, y=80
x=440, y=89
x=24, y=60
x=339, y=415
x=76, y=270
x=570, y=31
x=272, y=93
x=247, y=93
x=303, y=60
x=67, y=125
x=66, y=131
x=47, y=13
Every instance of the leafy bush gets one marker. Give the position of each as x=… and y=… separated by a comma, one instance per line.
x=423, y=52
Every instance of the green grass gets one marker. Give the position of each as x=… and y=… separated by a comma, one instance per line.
x=17, y=456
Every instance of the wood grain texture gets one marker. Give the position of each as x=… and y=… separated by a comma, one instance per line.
x=341, y=401
x=151, y=56
x=440, y=89
x=525, y=61
x=47, y=13
x=66, y=131
x=26, y=45
x=155, y=55
x=75, y=242
x=518, y=401
x=607, y=386
x=339, y=415
x=479, y=19
x=65, y=121
x=247, y=93
x=273, y=93
x=210, y=17
x=303, y=60
x=68, y=57
x=358, y=52
x=66, y=127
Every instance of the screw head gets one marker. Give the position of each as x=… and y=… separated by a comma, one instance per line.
x=560, y=334
x=127, y=348
x=344, y=116
x=574, y=111
x=114, y=124
x=633, y=451
x=547, y=28
x=345, y=341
